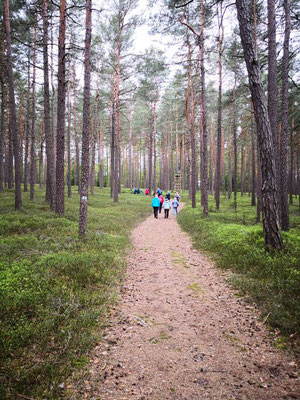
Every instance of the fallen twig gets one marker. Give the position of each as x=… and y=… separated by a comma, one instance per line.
x=23, y=396
x=265, y=319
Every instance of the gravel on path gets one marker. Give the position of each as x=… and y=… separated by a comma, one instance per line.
x=180, y=332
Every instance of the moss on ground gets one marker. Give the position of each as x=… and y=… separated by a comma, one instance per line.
x=55, y=288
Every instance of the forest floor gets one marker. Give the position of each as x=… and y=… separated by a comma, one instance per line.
x=181, y=332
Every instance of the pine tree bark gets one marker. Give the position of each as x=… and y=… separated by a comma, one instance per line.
x=100, y=157
x=94, y=132
x=69, y=165
x=116, y=144
x=10, y=160
x=229, y=163
x=242, y=163
x=86, y=122
x=253, y=173
x=41, y=161
x=61, y=103
x=52, y=115
x=219, y=137
x=130, y=149
x=272, y=82
x=154, y=144
x=204, y=195
x=3, y=104
x=284, y=120
x=27, y=135
x=50, y=184
x=291, y=175
x=77, y=161
x=150, y=152
x=12, y=104
x=235, y=152
x=269, y=199
x=112, y=149
x=32, y=144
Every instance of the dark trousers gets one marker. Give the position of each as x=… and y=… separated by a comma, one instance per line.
x=155, y=212
x=160, y=206
x=167, y=213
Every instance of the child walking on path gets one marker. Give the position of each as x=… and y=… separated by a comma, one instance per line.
x=161, y=199
x=175, y=205
x=155, y=204
x=167, y=206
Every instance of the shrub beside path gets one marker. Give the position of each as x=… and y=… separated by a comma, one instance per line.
x=180, y=332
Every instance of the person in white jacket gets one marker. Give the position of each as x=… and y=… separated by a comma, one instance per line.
x=167, y=206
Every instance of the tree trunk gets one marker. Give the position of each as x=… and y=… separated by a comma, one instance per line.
x=116, y=145
x=242, y=163
x=272, y=82
x=27, y=137
x=291, y=180
x=69, y=166
x=258, y=187
x=150, y=154
x=269, y=199
x=3, y=104
x=204, y=195
x=77, y=161
x=10, y=160
x=253, y=175
x=211, y=156
x=12, y=104
x=130, y=148
x=32, y=147
x=41, y=162
x=50, y=184
x=100, y=157
x=284, y=120
x=229, y=163
x=86, y=123
x=219, y=138
x=112, y=150
x=235, y=152
x=52, y=117
x=61, y=103
x=94, y=131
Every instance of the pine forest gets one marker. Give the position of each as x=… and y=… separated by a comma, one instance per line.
x=116, y=111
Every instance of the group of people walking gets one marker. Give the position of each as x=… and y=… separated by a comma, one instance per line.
x=159, y=202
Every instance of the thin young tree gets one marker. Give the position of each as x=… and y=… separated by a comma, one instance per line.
x=61, y=103
x=3, y=96
x=33, y=116
x=86, y=122
x=219, y=137
x=284, y=120
x=50, y=184
x=272, y=80
x=12, y=106
x=27, y=134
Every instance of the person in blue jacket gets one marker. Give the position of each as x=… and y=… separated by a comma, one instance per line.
x=175, y=205
x=155, y=205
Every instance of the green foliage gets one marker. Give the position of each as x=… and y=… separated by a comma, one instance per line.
x=235, y=241
x=55, y=288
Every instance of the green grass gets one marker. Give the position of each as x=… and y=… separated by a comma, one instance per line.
x=55, y=289
x=235, y=241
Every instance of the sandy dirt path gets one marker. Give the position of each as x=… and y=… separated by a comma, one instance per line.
x=180, y=331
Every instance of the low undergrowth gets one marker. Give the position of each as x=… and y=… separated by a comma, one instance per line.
x=235, y=241
x=55, y=288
